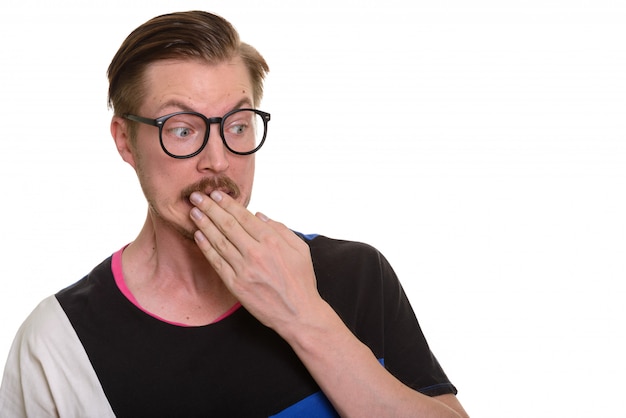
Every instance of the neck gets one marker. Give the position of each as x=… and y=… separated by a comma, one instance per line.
x=169, y=276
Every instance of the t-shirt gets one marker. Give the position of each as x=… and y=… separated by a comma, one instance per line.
x=90, y=351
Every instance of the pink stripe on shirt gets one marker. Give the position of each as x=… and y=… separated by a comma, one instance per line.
x=118, y=275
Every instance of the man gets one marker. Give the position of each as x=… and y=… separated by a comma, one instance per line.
x=211, y=310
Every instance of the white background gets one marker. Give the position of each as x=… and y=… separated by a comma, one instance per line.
x=480, y=145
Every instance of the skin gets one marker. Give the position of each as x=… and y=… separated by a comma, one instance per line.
x=197, y=256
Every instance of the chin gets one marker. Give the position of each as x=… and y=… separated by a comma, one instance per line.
x=186, y=229
x=187, y=234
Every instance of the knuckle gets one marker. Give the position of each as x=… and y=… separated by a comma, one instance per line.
x=229, y=223
x=256, y=255
x=221, y=245
x=271, y=240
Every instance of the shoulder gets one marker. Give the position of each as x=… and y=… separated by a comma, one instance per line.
x=46, y=334
x=48, y=370
x=327, y=250
x=46, y=321
x=350, y=267
x=92, y=282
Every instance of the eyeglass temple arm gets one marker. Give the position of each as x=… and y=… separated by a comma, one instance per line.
x=147, y=121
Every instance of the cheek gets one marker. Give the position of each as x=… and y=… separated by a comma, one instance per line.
x=247, y=174
x=243, y=175
x=158, y=179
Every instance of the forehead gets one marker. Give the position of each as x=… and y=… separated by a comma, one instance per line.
x=196, y=85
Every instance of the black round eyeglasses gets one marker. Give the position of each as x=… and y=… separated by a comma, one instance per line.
x=185, y=134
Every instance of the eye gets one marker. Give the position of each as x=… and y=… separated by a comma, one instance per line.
x=238, y=128
x=239, y=123
x=181, y=132
x=184, y=126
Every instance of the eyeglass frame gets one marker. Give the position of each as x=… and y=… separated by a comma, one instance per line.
x=160, y=122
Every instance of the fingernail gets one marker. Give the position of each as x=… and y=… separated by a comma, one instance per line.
x=196, y=214
x=216, y=195
x=262, y=217
x=199, y=236
x=195, y=198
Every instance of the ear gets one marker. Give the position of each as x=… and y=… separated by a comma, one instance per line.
x=121, y=135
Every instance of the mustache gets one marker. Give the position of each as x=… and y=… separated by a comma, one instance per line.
x=222, y=183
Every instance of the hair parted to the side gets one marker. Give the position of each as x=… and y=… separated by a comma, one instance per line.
x=181, y=35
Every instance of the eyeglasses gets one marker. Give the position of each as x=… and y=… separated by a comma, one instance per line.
x=185, y=134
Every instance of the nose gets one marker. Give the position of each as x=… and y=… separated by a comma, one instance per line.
x=214, y=157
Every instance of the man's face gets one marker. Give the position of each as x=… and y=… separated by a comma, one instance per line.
x=210, y=89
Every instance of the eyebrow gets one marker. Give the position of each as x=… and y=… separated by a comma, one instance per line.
x=245, y=102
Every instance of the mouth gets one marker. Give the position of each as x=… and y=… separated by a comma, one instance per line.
x=210, y=184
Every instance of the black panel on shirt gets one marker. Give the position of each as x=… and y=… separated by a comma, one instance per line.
x=359, y=283
x=239, y=367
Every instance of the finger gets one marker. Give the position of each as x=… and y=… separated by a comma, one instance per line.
x=220, y=264
x=220, y=218
x=234, y=220
x=225, y=221
x=287, y=234
x=212, y=232
x=216, y=247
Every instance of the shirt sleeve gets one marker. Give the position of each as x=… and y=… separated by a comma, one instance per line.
x=48, y=373
x=362, y=287
x=407, y=353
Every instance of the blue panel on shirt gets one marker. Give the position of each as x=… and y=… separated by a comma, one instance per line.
x=307, y=237
x=313, y=406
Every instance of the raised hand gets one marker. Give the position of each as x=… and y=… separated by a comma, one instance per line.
x=263, y=263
